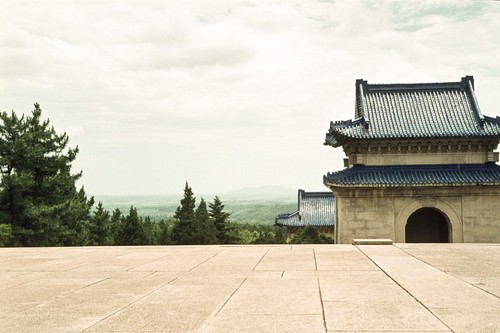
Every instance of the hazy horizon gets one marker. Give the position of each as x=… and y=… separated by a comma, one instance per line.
x=275, y=191
x=227, y=94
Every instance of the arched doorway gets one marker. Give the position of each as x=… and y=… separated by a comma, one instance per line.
x=427, y=225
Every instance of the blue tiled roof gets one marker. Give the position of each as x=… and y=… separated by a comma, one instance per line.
x=415, y=175
x=315, y=209
x=405, y=111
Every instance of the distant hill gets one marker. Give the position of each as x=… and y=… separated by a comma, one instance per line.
x=253, y=205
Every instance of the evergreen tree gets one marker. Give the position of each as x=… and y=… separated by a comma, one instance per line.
x=38, y=195
x=184, y=231
x=226, y=233
x=100, y=227
x=164, y=233
x=310, y=235
x=207, y=233
x=116, y=219
x=75, y=214
x=131, y=231
x=150, y=231
x=5, y=234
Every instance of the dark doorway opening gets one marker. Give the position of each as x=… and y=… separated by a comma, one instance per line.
x=427, y=225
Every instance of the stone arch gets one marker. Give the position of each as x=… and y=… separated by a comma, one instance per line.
x=452, y=217
x=428, y=225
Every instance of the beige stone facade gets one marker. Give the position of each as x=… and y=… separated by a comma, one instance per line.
x=472, y=214
x=420, y=167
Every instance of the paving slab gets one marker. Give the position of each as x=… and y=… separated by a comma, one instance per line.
x=265, y=288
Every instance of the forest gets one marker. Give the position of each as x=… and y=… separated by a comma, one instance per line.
x=40, y=204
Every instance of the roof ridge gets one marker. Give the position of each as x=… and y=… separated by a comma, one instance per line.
x=462, y=84
x=380, y=87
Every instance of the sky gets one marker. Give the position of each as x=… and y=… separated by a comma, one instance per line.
x=227, y=94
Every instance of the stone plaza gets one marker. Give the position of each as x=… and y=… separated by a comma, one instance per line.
x=268, y=288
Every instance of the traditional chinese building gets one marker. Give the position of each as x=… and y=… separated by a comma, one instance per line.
x=315, y=209
x=420, y=165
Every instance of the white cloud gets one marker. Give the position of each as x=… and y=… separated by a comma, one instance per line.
x=226, y=94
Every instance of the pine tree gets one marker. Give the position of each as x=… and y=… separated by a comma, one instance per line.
x=184, y=231
x=38, y=195
x=5, y=234
x=207, y=233
x=116, y=222
x=164, y=233
x=150, y=231
x=226, y=234
x=131, y=231
x=311, y=235
x=100, y=227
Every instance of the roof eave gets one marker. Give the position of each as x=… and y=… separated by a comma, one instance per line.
x=335, y=185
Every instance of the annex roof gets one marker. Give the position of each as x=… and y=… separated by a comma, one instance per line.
x=314, y=209
x=418, y=110
x=415, y=175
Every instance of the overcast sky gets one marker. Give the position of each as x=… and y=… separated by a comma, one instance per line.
x=227, y=94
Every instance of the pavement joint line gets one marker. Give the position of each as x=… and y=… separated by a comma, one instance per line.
x=129, y=304
x=315, y=261
x=144, y=263
x=84, y=287
x=90, y=263
x=86, y=264
x=26, y=282
x=204, y=261
x=211, y=319
x=154, y=272
x=322, y=305
x=470, y=257
x=155, y=259
x=58, y=296
x=406, y=290
x=257, y=264
x=451, y=274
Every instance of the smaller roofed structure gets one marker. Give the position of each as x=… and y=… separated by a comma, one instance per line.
x=315, y=209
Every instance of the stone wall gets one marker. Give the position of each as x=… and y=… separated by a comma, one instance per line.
x=481, y=217
x=417, y=152
x=471, y=212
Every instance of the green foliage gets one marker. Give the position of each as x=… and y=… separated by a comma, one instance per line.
x=261, y=234
x=38, y=196
x=163, y=231
x=116, y=222
x=193, y=227
x=100, y=227
x=5, y=234
x=131, y=230
x=310, y=235
x=185, y=231
x=226, y=233
x=207, y=233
